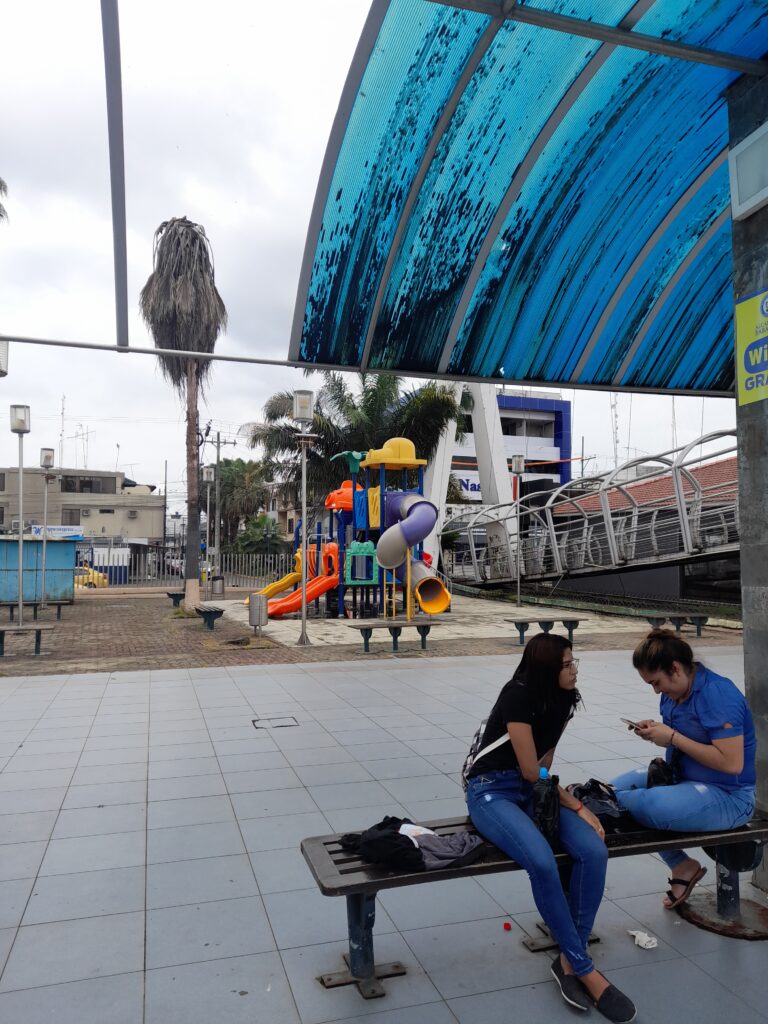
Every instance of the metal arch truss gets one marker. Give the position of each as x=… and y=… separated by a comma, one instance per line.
x=668, y=508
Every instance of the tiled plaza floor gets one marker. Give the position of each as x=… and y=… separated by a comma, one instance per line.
x=150, y=870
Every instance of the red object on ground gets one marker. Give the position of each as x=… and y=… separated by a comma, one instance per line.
x=507, y=926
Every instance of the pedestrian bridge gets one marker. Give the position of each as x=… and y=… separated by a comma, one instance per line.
x=675, y=506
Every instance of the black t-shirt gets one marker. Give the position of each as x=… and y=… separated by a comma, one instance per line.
x=514, y=704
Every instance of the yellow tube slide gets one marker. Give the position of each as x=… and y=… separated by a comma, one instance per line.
x=291, y=579
x=433, y=596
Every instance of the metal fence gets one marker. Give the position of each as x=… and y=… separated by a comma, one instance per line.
x=125, y=566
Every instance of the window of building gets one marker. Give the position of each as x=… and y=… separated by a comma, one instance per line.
x=511, y=427
x=89, y=484
x=2, y=481
x=106, y=511
x=2, y=515
x=290, y=524
x=70, y=517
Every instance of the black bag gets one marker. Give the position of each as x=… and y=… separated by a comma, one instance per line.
x=546, y=808
x=660, y=773
x=600, y=798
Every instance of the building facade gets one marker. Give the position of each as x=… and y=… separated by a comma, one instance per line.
x=536, y=425
x=102, y=505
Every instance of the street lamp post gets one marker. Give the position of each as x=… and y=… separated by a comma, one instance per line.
x=209, y=475
x=518, y=468
x=20, y=424
x=303, y=413
x=46, y=463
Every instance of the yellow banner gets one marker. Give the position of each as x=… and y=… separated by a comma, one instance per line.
x=752, y=349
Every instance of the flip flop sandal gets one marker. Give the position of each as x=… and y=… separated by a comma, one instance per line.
x=690, y=885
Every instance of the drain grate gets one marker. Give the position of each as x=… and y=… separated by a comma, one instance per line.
x=276, y=722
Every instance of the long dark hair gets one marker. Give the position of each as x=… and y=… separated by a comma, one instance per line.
x=539, y=671
x=659, y=650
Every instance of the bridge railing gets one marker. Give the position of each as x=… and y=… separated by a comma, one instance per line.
x=676, y=505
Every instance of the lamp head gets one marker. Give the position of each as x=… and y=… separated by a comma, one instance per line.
x=20, y=420
x=46, y=458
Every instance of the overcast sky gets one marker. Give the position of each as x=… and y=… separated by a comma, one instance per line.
x=227, y=110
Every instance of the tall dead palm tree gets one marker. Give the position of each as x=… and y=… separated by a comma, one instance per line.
x=184, y=312
x=3, y=192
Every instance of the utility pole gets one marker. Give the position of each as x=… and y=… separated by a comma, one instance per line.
x=165, y=503
x=217, y=531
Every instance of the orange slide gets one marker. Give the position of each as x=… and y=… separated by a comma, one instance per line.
x=292, y=603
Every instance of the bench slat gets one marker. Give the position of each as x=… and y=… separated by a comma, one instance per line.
x=339, y=873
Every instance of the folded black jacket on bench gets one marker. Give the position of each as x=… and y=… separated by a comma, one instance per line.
x=392, y=843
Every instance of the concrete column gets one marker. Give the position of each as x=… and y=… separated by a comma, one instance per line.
x=747, y=110
x=436, y=479
x=495, y=481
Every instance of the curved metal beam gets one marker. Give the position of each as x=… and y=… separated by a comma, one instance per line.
x=549, y=128
x=617, y=36
x=349, y=93
x=480, y=50
x=639, y=260
x=659, y=304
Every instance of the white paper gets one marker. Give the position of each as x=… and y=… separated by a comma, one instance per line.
x=644, y=940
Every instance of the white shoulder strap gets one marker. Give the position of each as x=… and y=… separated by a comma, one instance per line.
x=491, y=746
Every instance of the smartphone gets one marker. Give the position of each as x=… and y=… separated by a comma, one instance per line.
x=632, y=725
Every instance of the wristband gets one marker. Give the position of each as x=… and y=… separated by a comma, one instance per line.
x=579, y=808
x=672, y=738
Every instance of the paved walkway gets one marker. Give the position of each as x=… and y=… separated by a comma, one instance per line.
x=123, y=631
x=150, y=871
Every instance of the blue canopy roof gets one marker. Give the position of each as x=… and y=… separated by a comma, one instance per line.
x=511, y=201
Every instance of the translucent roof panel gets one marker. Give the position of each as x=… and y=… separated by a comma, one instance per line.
x=503, y=200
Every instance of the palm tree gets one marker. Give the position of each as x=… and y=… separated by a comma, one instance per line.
x=184, y=312
x=243, y=494
x=348, y=418
x=3, y=192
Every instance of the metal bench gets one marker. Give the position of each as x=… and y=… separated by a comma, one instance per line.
x=38, y=628
x=395, y=627
x=340, y=873
x=678, y=620
x=545, y=624
x=177, y=596
x=34, y=605
x=209, y=615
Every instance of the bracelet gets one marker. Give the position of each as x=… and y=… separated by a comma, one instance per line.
x=579, y=808
x=672, y=738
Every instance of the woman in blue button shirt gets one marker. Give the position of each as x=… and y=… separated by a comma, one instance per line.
x=709, y=738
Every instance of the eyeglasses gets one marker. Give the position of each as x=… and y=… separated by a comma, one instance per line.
x=574, y=664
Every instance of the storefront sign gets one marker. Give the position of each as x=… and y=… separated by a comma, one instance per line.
x=752, y=349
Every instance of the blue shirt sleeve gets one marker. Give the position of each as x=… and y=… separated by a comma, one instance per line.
x=721, y=707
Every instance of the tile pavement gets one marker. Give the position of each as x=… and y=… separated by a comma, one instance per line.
x=149, y=862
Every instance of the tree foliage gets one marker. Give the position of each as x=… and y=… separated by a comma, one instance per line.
x=351, y=416
x=183, y=310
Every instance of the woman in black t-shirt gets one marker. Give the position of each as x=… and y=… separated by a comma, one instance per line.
x=533, y=709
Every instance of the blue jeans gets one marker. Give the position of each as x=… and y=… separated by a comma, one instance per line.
x=500, y=804
x=699, y=806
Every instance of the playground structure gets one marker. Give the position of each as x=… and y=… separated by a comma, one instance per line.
x=370, y=546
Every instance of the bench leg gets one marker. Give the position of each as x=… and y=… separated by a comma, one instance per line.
x=10, y=612
x=678, y=621
x=58, y=611
x=423, y=632
x=724, y=913
x=38, y=637
x=521, y=628
x=546, y=625
x=394, y=632
x=366, y=635
x=2, y=643
x=570, y=625
x=361, y=968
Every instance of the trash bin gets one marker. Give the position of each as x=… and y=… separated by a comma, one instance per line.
x=258, y=614
x=217, y=586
